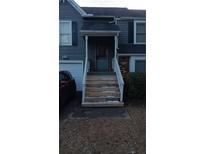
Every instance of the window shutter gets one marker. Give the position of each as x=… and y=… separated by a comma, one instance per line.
x=74, y=33
x=130, y=32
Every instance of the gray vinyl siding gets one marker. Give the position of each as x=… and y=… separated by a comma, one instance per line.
x=77, y=52
x=123, y=37
x=123, y=25
x=67, y=12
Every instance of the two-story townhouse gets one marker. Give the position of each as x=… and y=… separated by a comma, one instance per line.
x=98, y=45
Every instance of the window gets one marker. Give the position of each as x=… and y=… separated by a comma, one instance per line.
x=65, y=33
x=139, y=32
x=140, y=66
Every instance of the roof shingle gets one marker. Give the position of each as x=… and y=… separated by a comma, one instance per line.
x=113, y=11
x=101, y=26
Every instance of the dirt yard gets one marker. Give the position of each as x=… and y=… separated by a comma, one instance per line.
x=110, y=135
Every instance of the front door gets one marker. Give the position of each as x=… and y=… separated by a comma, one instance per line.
x=102, y=59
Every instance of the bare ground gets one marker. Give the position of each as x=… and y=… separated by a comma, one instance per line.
x=104, y=135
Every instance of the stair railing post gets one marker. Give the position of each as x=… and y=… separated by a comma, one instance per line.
x=116, y=45
x=86, y=46
x=85, y=67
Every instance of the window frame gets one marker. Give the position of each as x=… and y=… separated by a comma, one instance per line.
x=133, y=60
x=70, y=31
x=135, y=24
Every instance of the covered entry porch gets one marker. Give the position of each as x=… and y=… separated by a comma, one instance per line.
x=101, y=90
x=100, y=50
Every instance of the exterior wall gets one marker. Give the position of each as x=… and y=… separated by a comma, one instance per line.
x=77, y=52
x=126, y=62
x=124, y=28
x=123, y=37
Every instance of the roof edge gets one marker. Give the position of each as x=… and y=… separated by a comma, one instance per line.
x=100, y=31
x=131, y=54
x=76, y=6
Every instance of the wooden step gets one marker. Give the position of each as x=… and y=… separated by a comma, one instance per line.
x=101, y=99
x=102, y=94
x=105, y=88
x=107, y=92
x=102, y=85
x=101, y=82
x=103, y=104
x=101, y=73
x=102, y=90
x=103, y=78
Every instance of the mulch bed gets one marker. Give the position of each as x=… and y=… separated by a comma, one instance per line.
x=104, y=135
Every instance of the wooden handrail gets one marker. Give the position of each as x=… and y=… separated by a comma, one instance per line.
x=119, y=78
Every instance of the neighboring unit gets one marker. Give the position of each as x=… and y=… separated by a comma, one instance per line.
x=98, y=45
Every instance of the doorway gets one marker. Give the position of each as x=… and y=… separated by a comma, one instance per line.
x=102, y=59
x=100, y=53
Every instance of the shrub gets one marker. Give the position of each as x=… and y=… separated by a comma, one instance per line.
x=135, y=86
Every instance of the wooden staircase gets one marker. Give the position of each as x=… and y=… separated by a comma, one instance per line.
x=102, y=90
